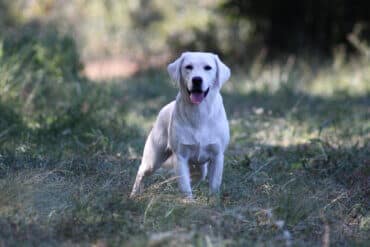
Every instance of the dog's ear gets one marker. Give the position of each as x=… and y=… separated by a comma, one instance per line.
x=174, y=69
x=223, y=72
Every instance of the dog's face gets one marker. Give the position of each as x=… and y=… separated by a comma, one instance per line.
x=198, y=73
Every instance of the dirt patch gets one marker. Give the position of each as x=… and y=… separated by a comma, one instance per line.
x=110, y=68
x=118, y=67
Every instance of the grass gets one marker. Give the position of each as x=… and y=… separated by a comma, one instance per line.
x=296, y=171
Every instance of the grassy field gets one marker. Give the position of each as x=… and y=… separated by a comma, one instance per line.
x=296, y=171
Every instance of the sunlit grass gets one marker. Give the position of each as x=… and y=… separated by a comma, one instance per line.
x=351, y=79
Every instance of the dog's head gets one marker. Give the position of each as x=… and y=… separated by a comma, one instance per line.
x=198, y=73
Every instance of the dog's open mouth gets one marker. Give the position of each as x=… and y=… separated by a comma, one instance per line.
x=197, y=96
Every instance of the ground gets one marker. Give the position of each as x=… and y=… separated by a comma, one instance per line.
x=296, y=171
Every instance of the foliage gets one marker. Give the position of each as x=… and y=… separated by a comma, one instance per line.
x=43, y=48
x=44, y=98
x=292, y=25
x=146, y=31
x=149, y=33
x=40, y=76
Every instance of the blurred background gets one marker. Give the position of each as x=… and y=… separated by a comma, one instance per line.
x=82, y=81
x=121, y=37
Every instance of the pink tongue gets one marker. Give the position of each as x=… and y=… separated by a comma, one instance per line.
x=196, y=98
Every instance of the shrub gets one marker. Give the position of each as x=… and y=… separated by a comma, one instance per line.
x=39, y=74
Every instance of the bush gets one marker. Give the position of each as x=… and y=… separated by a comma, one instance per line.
x=44, y=99
x=42, y=48
x=39, y=75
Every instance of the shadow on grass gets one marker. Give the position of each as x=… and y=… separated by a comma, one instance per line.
x=17, y=233
x=302, y=106
x=94, y=151
x=96, y=124
x=305, y=186
x=147, y=92
x=10, y=121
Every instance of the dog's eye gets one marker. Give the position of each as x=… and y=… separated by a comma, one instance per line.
x=207, y=67
x=189, y=67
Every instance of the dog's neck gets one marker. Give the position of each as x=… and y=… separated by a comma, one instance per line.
x=197, y=115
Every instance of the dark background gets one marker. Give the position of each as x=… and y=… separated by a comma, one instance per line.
x=290, y=26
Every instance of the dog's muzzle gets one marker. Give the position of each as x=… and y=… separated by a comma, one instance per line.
x=197, y=95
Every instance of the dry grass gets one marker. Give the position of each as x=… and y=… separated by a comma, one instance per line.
x=296, y=172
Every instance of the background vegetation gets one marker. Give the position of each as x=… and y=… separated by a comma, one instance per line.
x=297, y=168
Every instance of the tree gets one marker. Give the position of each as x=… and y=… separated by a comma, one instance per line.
x=290, y=25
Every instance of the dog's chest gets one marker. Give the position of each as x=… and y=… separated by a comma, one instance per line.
x=198, y=142
x=198, y=153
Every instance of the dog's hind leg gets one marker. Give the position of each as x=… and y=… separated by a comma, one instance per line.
x=153, y=157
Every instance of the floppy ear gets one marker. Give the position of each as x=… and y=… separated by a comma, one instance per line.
x=174, y=69
x=223, y=72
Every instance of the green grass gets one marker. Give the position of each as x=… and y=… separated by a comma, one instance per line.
x=296, y=171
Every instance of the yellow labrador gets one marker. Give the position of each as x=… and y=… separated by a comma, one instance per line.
x=193, y=129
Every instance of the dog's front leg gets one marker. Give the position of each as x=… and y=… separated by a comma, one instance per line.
x=215, y=174
x=182, y=171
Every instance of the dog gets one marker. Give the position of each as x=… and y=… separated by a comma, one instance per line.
x=193, y=129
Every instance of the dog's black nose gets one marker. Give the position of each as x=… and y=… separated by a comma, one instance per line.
x=197, y=81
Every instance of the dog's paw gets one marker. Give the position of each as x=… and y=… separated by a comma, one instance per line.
x=188, y=200
x=187, y=197
x=137, y=190
x=133, y=195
